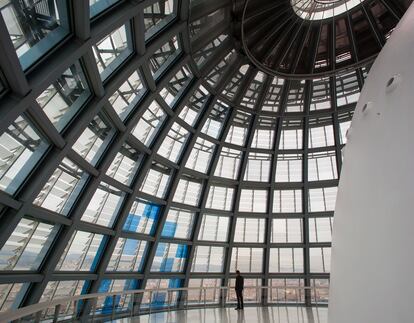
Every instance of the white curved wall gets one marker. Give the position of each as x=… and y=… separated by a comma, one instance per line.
x=372, y=276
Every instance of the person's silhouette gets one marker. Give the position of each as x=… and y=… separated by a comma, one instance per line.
x=239, y=290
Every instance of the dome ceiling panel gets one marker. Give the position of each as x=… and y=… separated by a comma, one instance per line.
x=273, y=34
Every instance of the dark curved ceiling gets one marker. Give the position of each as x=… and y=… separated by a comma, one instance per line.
x=280, y=42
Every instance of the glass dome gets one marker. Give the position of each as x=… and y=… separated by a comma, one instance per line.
x=322, y=9
x=314, y=39
x=141, y=148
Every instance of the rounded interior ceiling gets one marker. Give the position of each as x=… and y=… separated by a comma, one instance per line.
x=310, y=38
x=141, y=148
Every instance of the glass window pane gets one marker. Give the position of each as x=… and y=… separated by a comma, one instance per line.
x=98, y=6
x=170, y=257
x=94, y=139
x=291, y=136
x=258, y=167
x=214, y=228
x=208, y=259
x=249, y=230
x=112, y=50
x=202, y=55
x=125, y=165
x=104, y=206
x=27, y=246
x=211, y=295
x=322, y=291
x=142, y=217
x=128, y=95
x=201, y=155
x=264, y=133
x=164, y=57
x=228, y=164
x=31, y=36
x=273, y=97
x=173, y=144
x=156, y=180
x=179, y=224
x=65, y=96
x=192, y=110
x=251, y=294
x=216, y=119
x=61, y=289
x=188, y=191
x=217, y=71
x=287, y=231
x=11, y=295
x=122, y=302
x=247, y=260
x=149, y=124
x=321, y=132
x=128, y=255
x=320, y=260
x=347, y=88
x=322, y=166
x=82, y=252
x=253, y=201
x=320, y=229
x=161, y=299
x=287, y=201
x=289, y=168
x=175, y=88
x=21, y=147
x=63, y=188
x=239, y=129
x=296, y=96
x=233, y=85
x=158, y=15
x=321, y=94
x=252, y=93
x=286, y=260
x=220, y=198
x=286, y=290
x=322, y=199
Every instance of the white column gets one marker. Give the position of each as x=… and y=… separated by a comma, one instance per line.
x=372, y=277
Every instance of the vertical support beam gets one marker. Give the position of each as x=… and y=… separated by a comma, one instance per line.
x=306, y=256
x=10, y=64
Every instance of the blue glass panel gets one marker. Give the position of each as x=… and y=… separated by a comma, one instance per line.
x=130, y=247
x=181, y=251
x=142, y=218
x=175, y=283
x=169, y=229
x=98, y=6
x=99, y=253
x=167, y=265
x=104, y=287
x=159, y=299
x=160, y=249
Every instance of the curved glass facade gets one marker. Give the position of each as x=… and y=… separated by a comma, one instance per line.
x=143, y=150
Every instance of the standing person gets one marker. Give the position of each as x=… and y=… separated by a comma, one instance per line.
x=239, y=290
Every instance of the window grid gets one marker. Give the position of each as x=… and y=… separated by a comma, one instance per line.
x=67, y=185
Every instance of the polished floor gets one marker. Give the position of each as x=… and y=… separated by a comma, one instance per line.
x=229, y=315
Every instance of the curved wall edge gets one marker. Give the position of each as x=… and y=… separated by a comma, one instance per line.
x=372, y=253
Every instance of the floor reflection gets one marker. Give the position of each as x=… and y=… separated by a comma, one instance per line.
x=229, y=315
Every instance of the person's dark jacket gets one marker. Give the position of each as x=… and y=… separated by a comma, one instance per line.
x=239, y=283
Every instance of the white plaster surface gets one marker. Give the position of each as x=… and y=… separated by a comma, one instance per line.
x=372, y=272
